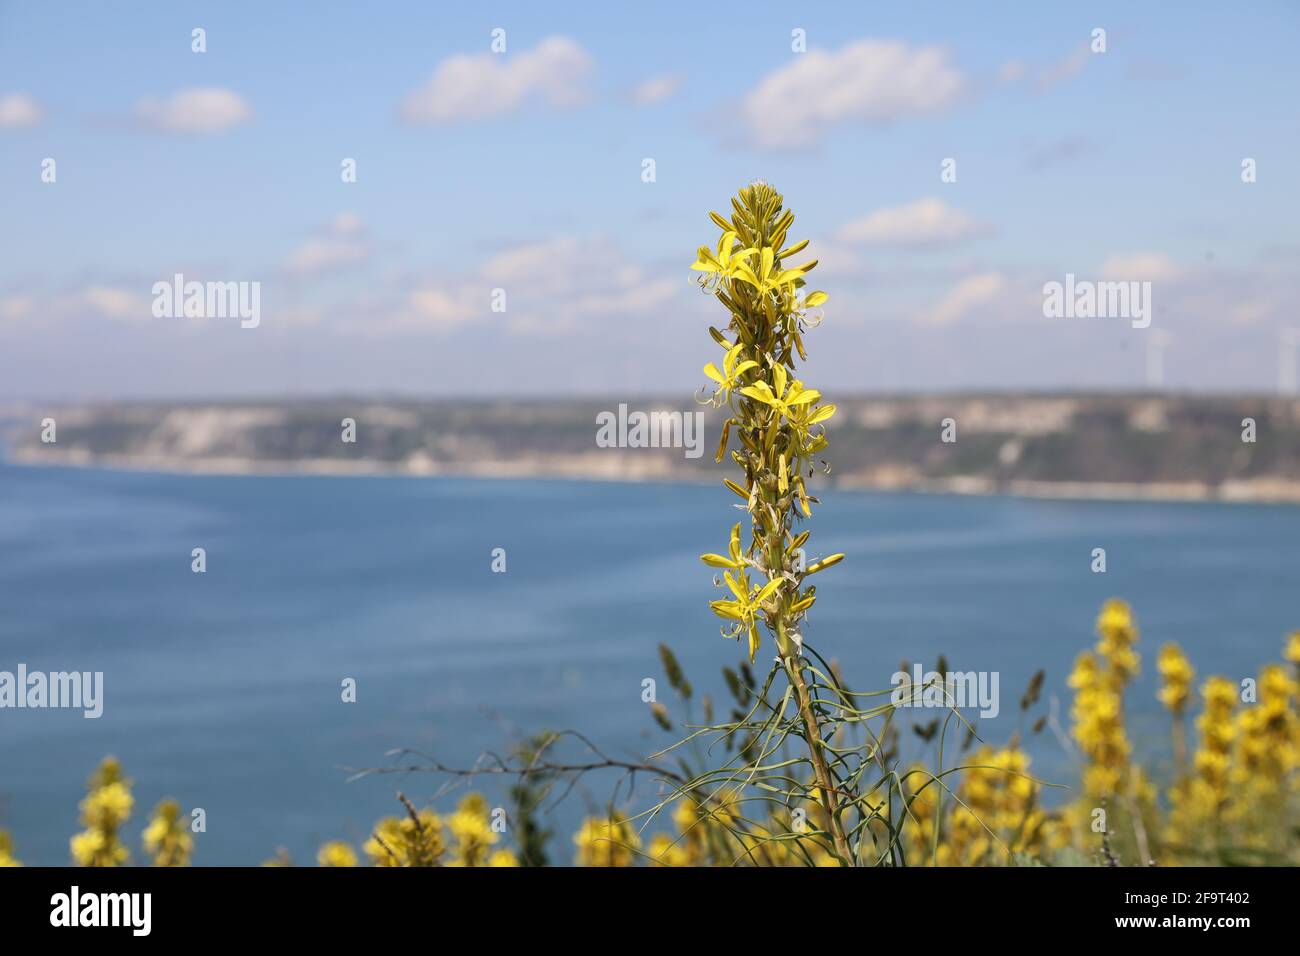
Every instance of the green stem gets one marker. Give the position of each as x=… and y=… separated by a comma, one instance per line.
x=829, y=794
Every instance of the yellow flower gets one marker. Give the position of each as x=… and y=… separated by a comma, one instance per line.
x=1268, y=735
x=722, y=262
x=782, y=397
x=1176, y=675
x=1292, y=652
x=166, y=838
x=732, y=368
x=746, y=607
x=803, y=417
x=109, y=806
x=402, y=841
x=87, y=847
x=1084, y=674
x=7, y=857
x=472, y=830
x=606, y=842
x=1118, y=635
x=667, y=851
x=736, y=559
x=105, y=808
x=1217, y=732
x=766, y=277
x=336, y=853
x=1098, y=714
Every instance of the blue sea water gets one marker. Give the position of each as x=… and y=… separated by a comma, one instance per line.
x=222, y=689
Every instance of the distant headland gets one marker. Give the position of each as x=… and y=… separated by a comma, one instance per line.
x=1216, y=447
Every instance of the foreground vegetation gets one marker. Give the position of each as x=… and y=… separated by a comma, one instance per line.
x=1234, y=798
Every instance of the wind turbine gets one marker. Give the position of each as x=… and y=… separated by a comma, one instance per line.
x=1157, y=340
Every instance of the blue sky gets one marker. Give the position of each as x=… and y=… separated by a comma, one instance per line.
x=522, y=171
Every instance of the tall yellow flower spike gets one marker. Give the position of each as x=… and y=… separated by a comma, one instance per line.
x=166, y=839
x=777, y=422
x=776, y=417
x=107, y=806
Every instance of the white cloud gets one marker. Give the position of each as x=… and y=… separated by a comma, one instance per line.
x=871, y=81
x=19, y=109
x=115, y=303
x=15, y=307
x=969, y=294
x=655, y=90
x=1140, y=267
x=343, y=243
x=1252, y=311
x=1011, y=72
x=347, y=224
x=926, y=222
x=98, y=299
x=466, y=87
x=577, y=278
x=551, y=286
x=197, y=110
x=442, y=308
x=1045, y=77
x=1060, y=71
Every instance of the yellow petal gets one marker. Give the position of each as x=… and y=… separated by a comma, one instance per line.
x=803, y=497
x=745, y=274
x=805, y=397
x=778, y=380
x=727, y=609
x=825, y=563
x=800, y=606
x=725, y=244
x=723, y=437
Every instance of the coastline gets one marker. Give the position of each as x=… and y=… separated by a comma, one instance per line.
x=621, y=469
x=1099, y=447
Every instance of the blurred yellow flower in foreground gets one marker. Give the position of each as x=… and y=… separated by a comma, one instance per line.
x=105, y=808
x=7, y=857
x=336, y=853
x=606, y=842
x=166, y=838
x=1176, y=675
